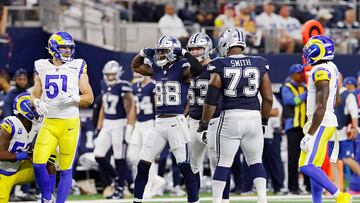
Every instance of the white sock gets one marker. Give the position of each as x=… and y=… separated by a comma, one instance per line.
x=225, y=201
x=217, y=190
x=260, y=185
x=336, y=194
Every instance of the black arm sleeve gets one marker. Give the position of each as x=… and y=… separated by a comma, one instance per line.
x=195, y=65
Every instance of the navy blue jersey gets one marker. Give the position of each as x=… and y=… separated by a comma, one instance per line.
x=113, y=99
x=145, y=101
x=171, y=89
x=87, y=136
x=197, y=93
x=240, y=76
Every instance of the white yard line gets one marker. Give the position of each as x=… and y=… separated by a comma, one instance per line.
x=282, y=198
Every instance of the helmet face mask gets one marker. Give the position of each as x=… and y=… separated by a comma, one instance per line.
x=112, y=72
x=62, y=46
x=164, y=50
x=200, y=46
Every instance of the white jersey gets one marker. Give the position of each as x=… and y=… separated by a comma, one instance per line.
x=20, y=141
x=325, y=71
x=58, y=80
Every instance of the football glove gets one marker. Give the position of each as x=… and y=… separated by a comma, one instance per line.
x=179, y=51
x=21, y=156
x=70, y=98
x=264, y=123
x=147, y=52
x=41, y=107
x=307, y=143
x=202, y=132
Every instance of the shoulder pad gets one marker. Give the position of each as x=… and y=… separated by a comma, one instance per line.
x=9, y=125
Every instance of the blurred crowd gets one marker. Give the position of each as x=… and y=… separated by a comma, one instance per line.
x=270, y=26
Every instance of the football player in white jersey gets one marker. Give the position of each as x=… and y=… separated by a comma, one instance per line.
x=55, y=95
x=16, y=136
x=322, y=122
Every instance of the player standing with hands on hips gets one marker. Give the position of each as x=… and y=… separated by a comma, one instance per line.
x=58, y=82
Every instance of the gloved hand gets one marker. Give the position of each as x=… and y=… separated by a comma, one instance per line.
x=41, y=107
x=22, y=156
x=147, y=52
x=70, y=98
x=128, y=133
x=179, y=51
x=264, y=123
x=307, y=143
x=202, y=132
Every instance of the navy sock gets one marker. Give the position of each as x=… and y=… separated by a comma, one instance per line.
x=257, y=171
x=121, y=169
x=221, y=173
x=64, y=186
x=105, y=166
x=52, y=182
x=190, y=181
x=197, y=175
x=226, y=192
x=141, y=179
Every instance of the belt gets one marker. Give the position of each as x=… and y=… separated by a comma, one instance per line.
x=167, y=115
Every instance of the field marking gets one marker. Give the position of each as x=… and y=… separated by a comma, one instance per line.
x=282, y=198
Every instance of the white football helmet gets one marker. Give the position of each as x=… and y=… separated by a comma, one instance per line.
x=112, y=72
x=200, y=40
x=231, y=37
x=164, y=50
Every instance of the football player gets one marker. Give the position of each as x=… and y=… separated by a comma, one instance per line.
x=321, y=119
x=200, y=46
x=16, y=136
x=238, y=78
x=172, y=73
x=118, y=110
x=55, y=95
x=144, y=92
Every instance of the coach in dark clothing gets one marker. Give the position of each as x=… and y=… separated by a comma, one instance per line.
x=293, y=95
x=21, y=82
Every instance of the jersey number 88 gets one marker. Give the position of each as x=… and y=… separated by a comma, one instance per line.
x=167, y=93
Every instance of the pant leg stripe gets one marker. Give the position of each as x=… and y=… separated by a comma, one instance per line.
x=218, y=131
x=316, y=144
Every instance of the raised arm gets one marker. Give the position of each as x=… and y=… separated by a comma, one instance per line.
x=138, y=65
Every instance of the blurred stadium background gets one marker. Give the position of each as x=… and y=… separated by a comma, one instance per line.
x=117, y=29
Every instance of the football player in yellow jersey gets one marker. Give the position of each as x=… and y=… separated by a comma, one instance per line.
x=58, y=82
x=322, y=122
x=16, y=136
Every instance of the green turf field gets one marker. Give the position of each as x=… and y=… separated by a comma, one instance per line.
x=205, y=199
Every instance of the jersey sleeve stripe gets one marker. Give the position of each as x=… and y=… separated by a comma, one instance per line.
x=8, y=126
x=83, y=68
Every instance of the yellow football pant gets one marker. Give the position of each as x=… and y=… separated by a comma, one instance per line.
x=54, y=132
x=25, y=174
x=317, y=154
